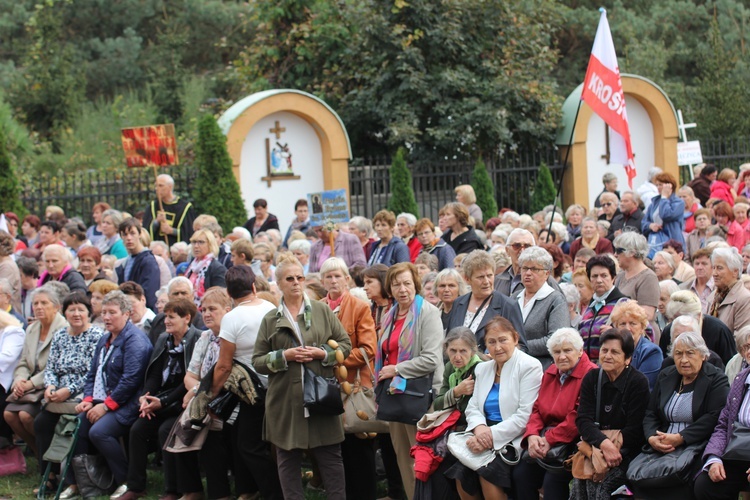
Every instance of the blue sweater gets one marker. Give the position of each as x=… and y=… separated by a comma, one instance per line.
x=647, y=359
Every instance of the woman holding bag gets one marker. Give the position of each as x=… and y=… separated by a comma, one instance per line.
x=409, y=348
x=496, y=422
x=24, y=403
x=358, y=454
x=613, y=398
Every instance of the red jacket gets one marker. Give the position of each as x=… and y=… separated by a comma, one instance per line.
x=722, y=191
x=415, y=247
x=557, y=405
x=602, y=246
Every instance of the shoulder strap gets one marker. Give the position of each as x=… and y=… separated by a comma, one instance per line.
x=367, y=360
x=598, y=396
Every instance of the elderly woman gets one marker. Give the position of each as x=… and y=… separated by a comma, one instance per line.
x=580, y=280
x=98, y=289
x=497, y=421
x=428, y=288
x=205, y=270
x=466, y=196
x=553, y=418
x=11, y=345
x=161, y=399
x=110, y=395
x=731, y=299
x=449, y=286
x=591, y=239
x=596, y=318
x=692, y=205
x=49, y=234
x=614, y=397
x=735, y=234
x=459, y=234
x=110, y=243
x=28, y=377
x=664, y=266
x=89, y=259
x=263, y=220
x=301, y=250
x=293, y=337
x=697, y=237
x=574, y=215
x=389, y=249
x=408, y=348
x=380, y=301
x=543, y=309
x=475, y=309
x=9, y=268
x=683, y=409
x=57, y=263
x=740, y=214
x=573, y=299
x=635, y=279
x=431, y=244
x=726, y=459
x=647, y=357
x=361, y=227
x=358, y=454
x=741, y=360
x=69, y=360
x=405, y=223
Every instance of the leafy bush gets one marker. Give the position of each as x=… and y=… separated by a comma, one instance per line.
x=544, y=190
x=402, y=194
x=484, y=189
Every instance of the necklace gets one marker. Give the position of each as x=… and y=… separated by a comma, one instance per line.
x=246, y=302
x=498, y=371
x=682, y=387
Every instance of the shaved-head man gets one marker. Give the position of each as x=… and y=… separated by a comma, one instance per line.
x=168, y=218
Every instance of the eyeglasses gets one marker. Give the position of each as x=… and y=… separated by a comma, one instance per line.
x=292, y=279
x=198, y=242
x=424, y=233
x=744, y=348
x=532, y=269
x=520, y=246
x=607, y=204
x=619, y=250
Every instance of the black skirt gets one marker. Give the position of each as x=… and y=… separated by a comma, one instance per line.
x=496, y=472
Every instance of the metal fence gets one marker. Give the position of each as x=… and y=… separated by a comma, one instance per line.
x=513, y=174
x=722, y=152
x=77, y=192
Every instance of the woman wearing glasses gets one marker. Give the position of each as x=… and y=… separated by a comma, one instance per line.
x=292, y=337
x=431, y=244
x=205, y=271
x=635, y=279
x=590, y=239
x=543, y=309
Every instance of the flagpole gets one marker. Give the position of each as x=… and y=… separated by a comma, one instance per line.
x=562, y=174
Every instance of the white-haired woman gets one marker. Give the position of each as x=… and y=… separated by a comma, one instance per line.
x=57, y=263
x=354, y=314
x=465, y=195
x=11, y=345
x=636, y=280
x=590, y=238
x=666, y=289
x=683, y=409
x=301, y=250
x=664, y=266
x=543, y=309
x=574, y=215
x=718, y=336
x=449, y=285
x=405, y=223
x=362, y=228
x=731, y=300
x=553, y=418
x=573, y=299
x=741, y=360
x=110, y=242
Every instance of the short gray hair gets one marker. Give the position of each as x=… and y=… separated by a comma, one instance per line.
x=685, y=323
x=565, y=335
x=633, y=243
x=668, y=286
x=691, y=340
x=667, y=257
x=6, y=287
x=300, y=246
x=52, y=293
x=361, y=223
x=572, y=295
x=116, y=297
x=160, y=244
x=410, y=218
x=475, y=260
x=115, y=215
x=177, y=281
x=60, y=250
x=168, y=178
x=334, y=264
x=684, y=303
x=742, y=336
x=653, y=172
x=731, y=257
x=179, y=247
x=518, y=232
x=511, y=216
x=450, y=273
x=537, y=255
x=574, y=208
x=461, y=333
x=608, y=177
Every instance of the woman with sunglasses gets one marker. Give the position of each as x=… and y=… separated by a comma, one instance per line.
x=205, y=271
x=635, y=279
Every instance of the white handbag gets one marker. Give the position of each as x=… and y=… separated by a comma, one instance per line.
x=475, y=461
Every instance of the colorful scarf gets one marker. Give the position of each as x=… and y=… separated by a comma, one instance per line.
x=197, y=276
x=405, y=342
x=45, y=276
x=457, y=376
x=105, y=244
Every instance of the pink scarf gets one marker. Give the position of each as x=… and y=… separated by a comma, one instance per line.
x=197, y=276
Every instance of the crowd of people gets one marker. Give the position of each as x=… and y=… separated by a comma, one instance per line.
x=618, y=335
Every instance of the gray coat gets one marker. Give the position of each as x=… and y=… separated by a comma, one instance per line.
x=545, y=318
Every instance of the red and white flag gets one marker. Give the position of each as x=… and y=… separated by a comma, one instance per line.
x=602, y=90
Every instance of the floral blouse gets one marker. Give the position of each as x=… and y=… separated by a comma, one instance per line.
x=70, y=358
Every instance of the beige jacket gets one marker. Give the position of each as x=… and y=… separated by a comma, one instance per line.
x=734, y=311
x=31, y=366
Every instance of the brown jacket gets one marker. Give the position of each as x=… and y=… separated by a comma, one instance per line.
x=734, y=311
x=355, y=316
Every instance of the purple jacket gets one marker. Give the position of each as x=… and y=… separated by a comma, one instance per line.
x=347, y=247
x=718, y=442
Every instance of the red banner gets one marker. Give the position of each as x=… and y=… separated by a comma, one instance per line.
x=150, y=146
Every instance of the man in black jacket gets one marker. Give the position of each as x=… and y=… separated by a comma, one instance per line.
x=140, y=266
x=172, y=219
x=629, y=218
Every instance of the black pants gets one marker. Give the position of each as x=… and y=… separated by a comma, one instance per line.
x=529, y=477
x=395, y=486
x=147, y=436
x=359, y=467
x=253, y=452
x=44, y=429
x=729, y=488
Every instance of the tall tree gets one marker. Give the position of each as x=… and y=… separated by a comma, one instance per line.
x=544, y=190
x=402, y=194
x=484, y=189
x=10, y=188
x=216, y=189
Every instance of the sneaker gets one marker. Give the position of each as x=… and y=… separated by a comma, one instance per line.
x=69, y=492
x=120, y=491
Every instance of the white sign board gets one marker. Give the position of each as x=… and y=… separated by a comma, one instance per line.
x=689, y=153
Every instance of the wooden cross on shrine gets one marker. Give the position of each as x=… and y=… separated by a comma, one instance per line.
x=277, y=130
